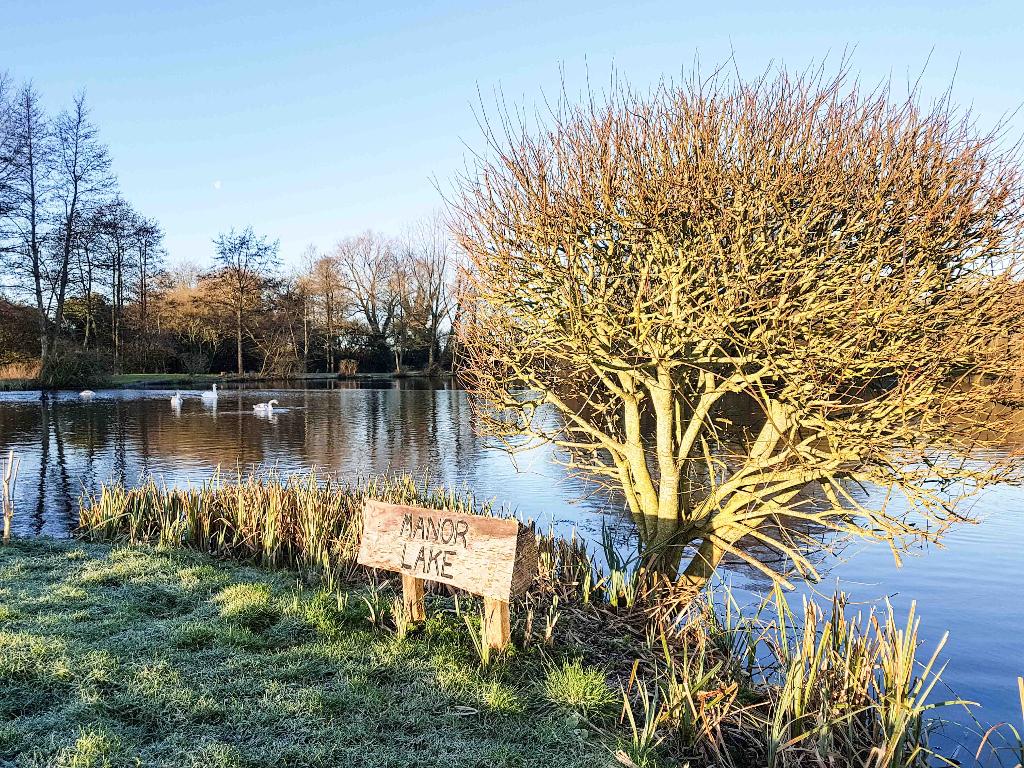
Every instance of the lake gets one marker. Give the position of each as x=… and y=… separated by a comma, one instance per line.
x=971, y=586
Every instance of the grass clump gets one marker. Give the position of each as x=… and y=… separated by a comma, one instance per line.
x=74, y=368
x=17, y=372
x=94, y=748
x=248, y=606
x=578, y=687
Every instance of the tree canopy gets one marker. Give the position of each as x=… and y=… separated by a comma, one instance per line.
x=838, y=264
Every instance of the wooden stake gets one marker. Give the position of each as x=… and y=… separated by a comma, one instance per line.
x=412, y=596
x=497, y=624
x=10, y=477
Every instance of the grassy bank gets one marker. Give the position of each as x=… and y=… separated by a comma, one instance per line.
x=698, y=680
x=114, y=656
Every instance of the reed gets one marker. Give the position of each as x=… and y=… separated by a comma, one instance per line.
x=701, y=680
x=309, y=522
x=20, y=370
x=1005, y=739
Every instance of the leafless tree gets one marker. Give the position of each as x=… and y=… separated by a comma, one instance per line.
x=327, y=289
x=115, y=222
x=839, y=260
x=81, y=181
x=31, y=167
x=147, y=239
x=367, y=266
x=245, y=262
x=426, y=281
x=9, y=156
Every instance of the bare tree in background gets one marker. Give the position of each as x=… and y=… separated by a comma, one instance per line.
x=9, y=156
x=327, y=288
x=840, y=260
x=32, y=166
x=116, y=223
x=81, y=180
x=367, y=266
x=245, y=263
x=185, y=307
x=86, y=267
x=147, y=240
x=428, y=268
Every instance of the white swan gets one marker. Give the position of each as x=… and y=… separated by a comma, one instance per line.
x=87, y=394
x=176, y=400
x=267, y=408
x=210, y=396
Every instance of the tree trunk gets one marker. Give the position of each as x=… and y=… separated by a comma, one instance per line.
x=238, y=339
x=305, y=335
x=62, y=281
x=37, y=274
x=330, y=336
x=702, y=567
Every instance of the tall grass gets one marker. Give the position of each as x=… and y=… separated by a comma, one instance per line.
x=700, y=679
x=1011, y=750
x=21, y=370
x=309, y=522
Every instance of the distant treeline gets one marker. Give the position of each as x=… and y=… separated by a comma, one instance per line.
x=85, y=285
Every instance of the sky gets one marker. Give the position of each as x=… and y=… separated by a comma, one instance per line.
x=313, y=121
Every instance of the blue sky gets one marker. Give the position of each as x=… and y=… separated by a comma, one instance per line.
x=312, y=121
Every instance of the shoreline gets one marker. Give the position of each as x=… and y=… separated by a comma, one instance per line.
x=147, y=380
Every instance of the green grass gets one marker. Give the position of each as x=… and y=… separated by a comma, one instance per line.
x=578, y=687
x=132, y=379
x=199, y=379
x=118, y=656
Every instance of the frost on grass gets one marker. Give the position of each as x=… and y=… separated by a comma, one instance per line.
x=134, y=656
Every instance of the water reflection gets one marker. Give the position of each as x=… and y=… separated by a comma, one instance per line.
x=70, y=446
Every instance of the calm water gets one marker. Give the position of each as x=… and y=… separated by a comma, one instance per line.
x=970, y=587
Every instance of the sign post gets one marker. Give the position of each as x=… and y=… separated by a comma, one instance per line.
x=493, y=557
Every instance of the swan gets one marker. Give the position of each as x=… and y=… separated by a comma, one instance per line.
x=176, y=400
x=210, y=396
x=87, y=394
x=267, y=408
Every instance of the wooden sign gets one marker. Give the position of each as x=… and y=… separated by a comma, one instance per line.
x=488, y=556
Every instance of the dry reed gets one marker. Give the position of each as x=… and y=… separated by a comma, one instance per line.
x=21, y=370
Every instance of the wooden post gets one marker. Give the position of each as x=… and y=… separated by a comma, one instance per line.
x=10, y=477
x=412, y=596
x=497, y=624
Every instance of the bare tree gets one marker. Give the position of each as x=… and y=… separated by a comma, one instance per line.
x=116, y=223
x=9, y=157
x=32, y=172
x=185, y=308
x=327, y=288
x=245, y=263
x=367, y=265
x=82, y=180
x=147, y=240
x=430, y=277
x=838, y=260
x=86, y=252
